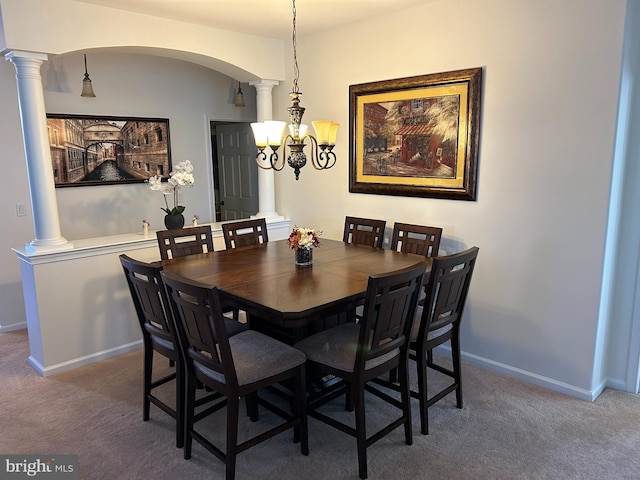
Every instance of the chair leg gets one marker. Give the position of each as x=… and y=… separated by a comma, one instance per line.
x=457, y=370
x=421, y=366
x=148, y=367
x=361, y=430
x=349, y=398
x=190, y=407
x=301, y=432
x=393, y=375
x=251, y=401
x=405, y=396
x=233, y=409
x=180, y=410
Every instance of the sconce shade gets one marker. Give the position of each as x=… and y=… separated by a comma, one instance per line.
x=302, y=130
x=87, y=88
x=239, y=98
x=274, y=131
x=260, y=134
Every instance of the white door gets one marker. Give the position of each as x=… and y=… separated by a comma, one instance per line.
x=237, y=170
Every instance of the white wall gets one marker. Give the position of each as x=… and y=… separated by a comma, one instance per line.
x=549, y=105
x=144, y=86
x=15, y=189
x=125, y=84
x=62, y=26
x=550, y=94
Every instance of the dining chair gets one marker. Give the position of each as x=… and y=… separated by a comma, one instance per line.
x=149, y=300
x=245, y=232
x=418, y=239
x=234, y=367
x=357, y=353
x=190, y=241
x=184, y=241
x=438, y=321
x=364, y=231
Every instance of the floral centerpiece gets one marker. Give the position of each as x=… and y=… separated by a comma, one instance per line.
x=302, y=240
x=181, y=176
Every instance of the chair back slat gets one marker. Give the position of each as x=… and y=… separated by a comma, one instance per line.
x=201, y=328
x=389, y=308
x=447, y=290
x=184, y=241
x=364, y=231
x=418, y=239
x=245, y=233
x=145, y=286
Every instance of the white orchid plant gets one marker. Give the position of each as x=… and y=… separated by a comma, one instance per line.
x=180, y=177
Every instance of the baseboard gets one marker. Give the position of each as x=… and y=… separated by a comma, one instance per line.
x=529, y=377
x=81, y=361
x=615, y=384
x=13, y=327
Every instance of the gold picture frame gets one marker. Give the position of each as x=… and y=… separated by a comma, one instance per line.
x=416, y=136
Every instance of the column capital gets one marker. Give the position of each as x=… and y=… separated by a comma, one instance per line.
x=11, y=54
x=263, y=84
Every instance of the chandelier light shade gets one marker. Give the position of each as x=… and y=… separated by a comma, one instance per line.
x=271, y=133
x=87, y=89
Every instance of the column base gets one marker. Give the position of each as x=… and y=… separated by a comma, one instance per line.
x=274, y=216
x=42, y=247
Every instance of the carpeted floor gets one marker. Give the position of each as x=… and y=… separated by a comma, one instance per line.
x=507, y=430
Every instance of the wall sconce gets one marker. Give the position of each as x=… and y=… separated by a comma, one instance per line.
x=87, y=89
x=239, y=97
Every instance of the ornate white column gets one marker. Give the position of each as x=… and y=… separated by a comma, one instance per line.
x=266, y=186
x=33, y=117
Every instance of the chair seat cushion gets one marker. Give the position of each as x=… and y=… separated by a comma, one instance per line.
x=432, y=334
x=256, y=357
x=234, y=327
x=336, y=348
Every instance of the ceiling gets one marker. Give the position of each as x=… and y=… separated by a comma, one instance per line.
x=269, y=18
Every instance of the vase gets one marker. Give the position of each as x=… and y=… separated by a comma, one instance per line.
x=174, y=222
x=304, y=256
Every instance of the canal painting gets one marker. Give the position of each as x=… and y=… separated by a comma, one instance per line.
x=90, y=150
x=416, y=136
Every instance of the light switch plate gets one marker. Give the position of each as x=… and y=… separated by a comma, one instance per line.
x=21, y=210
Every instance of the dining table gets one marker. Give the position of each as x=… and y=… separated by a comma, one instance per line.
x=286, y=300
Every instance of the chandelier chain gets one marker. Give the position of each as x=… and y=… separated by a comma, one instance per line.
x=296, y=71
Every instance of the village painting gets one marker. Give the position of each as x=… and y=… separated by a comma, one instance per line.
x=411, y=138
x=416, y=136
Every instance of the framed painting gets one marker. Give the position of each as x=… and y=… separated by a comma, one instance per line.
x=97, y=150
x=416, y=136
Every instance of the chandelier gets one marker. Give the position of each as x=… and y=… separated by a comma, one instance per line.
x=270, y=133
